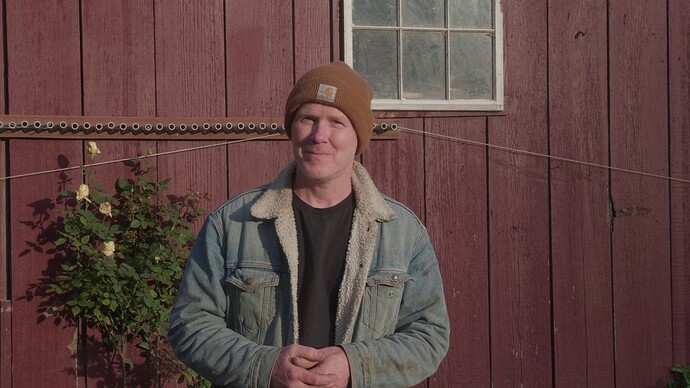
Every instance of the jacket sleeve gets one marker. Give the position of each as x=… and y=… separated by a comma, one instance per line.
x=421, y=338
x=198, y=331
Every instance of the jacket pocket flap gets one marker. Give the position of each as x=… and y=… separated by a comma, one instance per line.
x=391, y=279
x=252, y=279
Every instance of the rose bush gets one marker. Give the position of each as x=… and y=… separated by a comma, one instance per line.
x=124, y=257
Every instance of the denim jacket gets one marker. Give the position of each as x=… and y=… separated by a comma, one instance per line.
x=236, y=305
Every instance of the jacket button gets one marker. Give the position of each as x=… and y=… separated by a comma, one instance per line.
x=395, y=277
x=249, y=281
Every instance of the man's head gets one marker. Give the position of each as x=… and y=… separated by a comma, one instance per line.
x=338, y=86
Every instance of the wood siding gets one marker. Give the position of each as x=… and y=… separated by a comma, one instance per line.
x=556, y=274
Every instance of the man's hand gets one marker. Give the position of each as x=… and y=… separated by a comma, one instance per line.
x=292, y=366
x=334, y=362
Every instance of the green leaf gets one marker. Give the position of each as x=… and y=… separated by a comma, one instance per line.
x=135, y=224
x=85, y=239
x=76, y=310
x=123, y=184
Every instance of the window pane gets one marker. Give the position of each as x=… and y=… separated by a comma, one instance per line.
x=424, y=65
x=470, y=14
x=374, y=12
x=375, y=57
x=471, y=66
x=423, y=13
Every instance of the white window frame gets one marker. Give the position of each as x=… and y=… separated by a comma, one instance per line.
x=440, y=105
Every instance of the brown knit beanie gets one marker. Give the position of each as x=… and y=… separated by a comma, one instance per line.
x=336, y=85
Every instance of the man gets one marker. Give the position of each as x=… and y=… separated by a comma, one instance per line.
x=316, y=279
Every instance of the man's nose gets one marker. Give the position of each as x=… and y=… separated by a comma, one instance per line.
x=320, y=132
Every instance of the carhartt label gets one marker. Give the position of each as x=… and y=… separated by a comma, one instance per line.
x=326, y=93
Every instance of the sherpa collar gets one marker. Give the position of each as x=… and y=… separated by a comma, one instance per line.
x=277, y=200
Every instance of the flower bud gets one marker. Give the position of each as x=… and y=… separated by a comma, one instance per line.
x=106, y=208
x=82, y=192
x=92, y=149
x=108, y=248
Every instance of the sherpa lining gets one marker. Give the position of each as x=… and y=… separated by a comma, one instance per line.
x=370, y=208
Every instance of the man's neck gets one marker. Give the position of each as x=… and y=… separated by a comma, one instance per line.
x=322, y=196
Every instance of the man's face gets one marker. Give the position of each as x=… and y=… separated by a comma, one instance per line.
x=324, y=144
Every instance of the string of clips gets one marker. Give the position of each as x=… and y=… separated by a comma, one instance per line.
x=275, y=130
x=136, y=128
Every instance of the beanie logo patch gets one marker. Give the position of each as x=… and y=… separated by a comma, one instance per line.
x=326, y=93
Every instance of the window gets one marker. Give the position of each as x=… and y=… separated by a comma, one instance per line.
x=427, y=54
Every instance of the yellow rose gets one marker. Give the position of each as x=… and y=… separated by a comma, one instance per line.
x=106, y=208
x=92, y=149
x=108, y=248
x=82, y=192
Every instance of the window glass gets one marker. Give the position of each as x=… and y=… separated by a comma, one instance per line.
x=423, y=13
x=375, y=12
x=376, y=57
x=424, y=65
x=470, y=57
x=470, y=14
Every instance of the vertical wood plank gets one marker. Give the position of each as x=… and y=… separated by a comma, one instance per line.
x=39, y=340
x=260, y=75
x=43, y=77
x=641, y=237
x=3, y=69
x=190, y=45
x=397, y=166
x=119, y=73
x=336, y=16
x=5, y=294
x=5, y=302
x=5, y=343
x=189, y=58
x=581, y=249
x=312, y=35
x=519, y=273
x=43, y=68
x=456, y=184
x=119, y=80
x=679, y=84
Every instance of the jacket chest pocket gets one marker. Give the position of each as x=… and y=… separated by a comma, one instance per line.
x=381, y=303
x=251, y=301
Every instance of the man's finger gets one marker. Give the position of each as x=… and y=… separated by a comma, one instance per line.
x=318, y=379
x=303, y=362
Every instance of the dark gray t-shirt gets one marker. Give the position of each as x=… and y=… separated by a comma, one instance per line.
x=322, y=238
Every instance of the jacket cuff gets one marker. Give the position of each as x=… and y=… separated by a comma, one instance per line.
x=265, y=359
x=359, y=365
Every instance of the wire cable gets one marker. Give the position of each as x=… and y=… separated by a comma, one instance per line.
x=540, y=155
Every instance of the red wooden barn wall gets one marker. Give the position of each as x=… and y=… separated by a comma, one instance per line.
x=556, y=274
